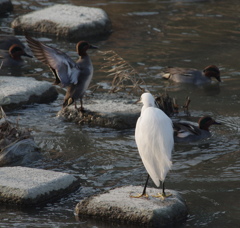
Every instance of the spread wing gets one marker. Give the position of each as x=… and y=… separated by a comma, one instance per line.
x=63, y=67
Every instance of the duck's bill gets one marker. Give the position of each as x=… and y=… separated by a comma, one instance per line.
x=219, y=79
x=217, y=123
x=27, y=55
x=93, y=47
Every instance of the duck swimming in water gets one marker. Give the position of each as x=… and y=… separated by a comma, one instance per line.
x=186, y=132
x=11, y=51
x=192, y=76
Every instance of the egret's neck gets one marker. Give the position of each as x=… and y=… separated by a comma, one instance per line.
x=147, y=106
x=143, y=108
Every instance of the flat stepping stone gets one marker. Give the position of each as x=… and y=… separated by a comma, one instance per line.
x=29, y=186
x=68, y=21
x=18, y=91
x=107, y=112
x=5, y=6
x=116, y=205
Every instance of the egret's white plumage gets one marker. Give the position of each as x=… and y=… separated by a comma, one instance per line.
x=154, y=138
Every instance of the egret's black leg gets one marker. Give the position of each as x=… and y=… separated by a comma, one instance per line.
x=163, y=195
x=163, y=188
x=144, y=190
x=145, y=186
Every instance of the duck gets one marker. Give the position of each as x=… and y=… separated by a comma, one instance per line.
x=192, y=76
x=186, y=132
x=13, y=56
x=11, y=52
x=76, y=76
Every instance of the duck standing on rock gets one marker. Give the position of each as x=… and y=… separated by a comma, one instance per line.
x=76, y=76
x=186, y=132
x=192, y=76
x=154, y=139
x=11, y=52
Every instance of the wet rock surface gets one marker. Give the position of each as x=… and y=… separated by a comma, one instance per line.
x=62, y=20
x=30, y=186
x=116, y=205
x=107, y=110
x=18, y=91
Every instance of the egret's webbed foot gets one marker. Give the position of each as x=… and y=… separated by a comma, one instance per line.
x=162, y=195
x=139, y=195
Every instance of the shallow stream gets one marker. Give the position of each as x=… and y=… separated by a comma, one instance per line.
x=149, y=35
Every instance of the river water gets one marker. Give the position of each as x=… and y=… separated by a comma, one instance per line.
x=149, y=35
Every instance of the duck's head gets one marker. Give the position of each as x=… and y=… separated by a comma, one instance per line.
x=83, y=46
x=205, y=122
x=212, y=72
x=16, y=51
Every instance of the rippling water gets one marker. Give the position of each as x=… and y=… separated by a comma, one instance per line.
x=149, y=35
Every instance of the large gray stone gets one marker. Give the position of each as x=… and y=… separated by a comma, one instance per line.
x=117, y=205
x=68, y=21
x=29, y=186
x=5, y=6
x=18, y=91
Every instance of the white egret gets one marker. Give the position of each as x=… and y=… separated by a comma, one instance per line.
x=154, y=139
